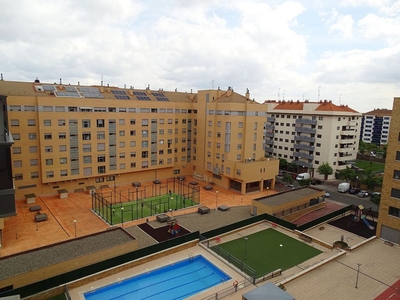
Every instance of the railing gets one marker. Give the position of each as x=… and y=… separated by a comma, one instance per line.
x=304, y=138
x=306, y=121
x=303, y=155
x=304, y=147
x=305, y=129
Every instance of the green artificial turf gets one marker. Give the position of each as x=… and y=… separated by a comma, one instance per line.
x=143, y=208
x=365, y=165
x=264, y=253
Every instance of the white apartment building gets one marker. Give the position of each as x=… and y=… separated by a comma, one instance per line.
x=312, y=133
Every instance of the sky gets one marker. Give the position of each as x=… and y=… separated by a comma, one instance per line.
x=347, y=51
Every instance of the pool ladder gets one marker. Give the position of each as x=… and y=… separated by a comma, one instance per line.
x=191, y=256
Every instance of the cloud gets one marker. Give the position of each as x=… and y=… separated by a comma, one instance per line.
x=377, y=28
x=392, y=11
x=343, y=25
x=358, y=3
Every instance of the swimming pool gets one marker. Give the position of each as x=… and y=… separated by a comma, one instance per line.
x=175, y=281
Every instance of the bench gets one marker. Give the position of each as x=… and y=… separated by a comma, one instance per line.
x=62, y=194
x=305, y=238
x=40, y=217
x=203, y=210
x=389, y=243
x=223, y=208
x=35, y=208
x=208, y=187
x=162, y=218
x=30, y=198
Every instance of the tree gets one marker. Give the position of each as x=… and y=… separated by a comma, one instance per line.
x=376, y=199
x=287, y=178
x=347, y=174
x=304, y=182
x=369, y=179
x=292, y=166
x=325, y=169
x=283, y=163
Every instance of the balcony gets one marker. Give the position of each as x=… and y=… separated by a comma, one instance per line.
x=271, y=119
x=303, y=163
x=269, y=142
x=303, y=147
x=304, y=138
x=303, y=155
x=306, y=121
x=305, y=130
x=269, y=134
x=270, y=127
x=216, y=171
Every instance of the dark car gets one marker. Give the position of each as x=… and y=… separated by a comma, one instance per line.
x=362, y=194
x=316, y=181
x=354, y=191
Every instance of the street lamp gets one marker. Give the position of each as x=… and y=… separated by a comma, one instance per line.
x=267, y=190
x=245, y=247
x=172, y=200
x=358, y=271
x=171, y=211
x=122, y=216
x=75, y=227
x=114, y=188
x=216, y=201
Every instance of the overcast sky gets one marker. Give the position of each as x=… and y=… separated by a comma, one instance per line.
x=347, y=51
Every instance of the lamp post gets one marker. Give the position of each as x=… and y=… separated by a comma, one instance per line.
x=137, y=202
x=267, y=190
x=245, y=247
x=122, y=216
x=171, y=211
x=216, y=201
x=114, y=186
x=75, y=227
x=358, y=271
x=172, y=200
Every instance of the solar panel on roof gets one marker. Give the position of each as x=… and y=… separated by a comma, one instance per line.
x=92, y=95
x=162, y=98
x=70, y=88
x=89, y=90
x=122, y=97
x=118, y=92
x=49, y=87
x=68, y=94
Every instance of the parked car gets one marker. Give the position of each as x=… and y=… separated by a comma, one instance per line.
x=327, y=195
x=316, y=181
x=362, y=194
x=354, y=191
x=291, y=186
x=375, y=194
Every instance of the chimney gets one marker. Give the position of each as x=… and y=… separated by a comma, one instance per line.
x=229, y=92
x=247, y=94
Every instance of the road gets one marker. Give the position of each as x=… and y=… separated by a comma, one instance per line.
x=347, y=198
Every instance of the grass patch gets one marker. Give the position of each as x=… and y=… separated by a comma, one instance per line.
x=264, y=253
x=376, y=167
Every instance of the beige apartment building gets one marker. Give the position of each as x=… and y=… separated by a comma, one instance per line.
x=389, y=208
x=73, y=136
x=312, y=133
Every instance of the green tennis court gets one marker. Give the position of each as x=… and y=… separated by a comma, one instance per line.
x=267, y=251
x=133, y=210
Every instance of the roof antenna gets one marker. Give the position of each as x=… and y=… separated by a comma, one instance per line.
x=60, y=81
x=101, y=80
x=1, y=77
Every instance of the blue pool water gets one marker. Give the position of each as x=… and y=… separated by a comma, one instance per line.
x=175, y=281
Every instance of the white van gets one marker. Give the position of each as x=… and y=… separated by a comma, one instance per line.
x=302, y=176
x=343, y=187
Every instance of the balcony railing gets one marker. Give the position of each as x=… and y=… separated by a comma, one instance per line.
x=303, y=163
x=269, y=142
x=303, y=155
x=304, y=138
x=271, y=119
x=269, y=134
x=303, y=147
x=305, y=129
x=306, y=121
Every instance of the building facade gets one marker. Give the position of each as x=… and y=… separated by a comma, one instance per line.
x=375, y=126
x=309, y=134
x=389, y=208
x=69, y=137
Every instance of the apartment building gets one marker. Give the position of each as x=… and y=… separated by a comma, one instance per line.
x=389, y=208
x=309, y=134
x=375, y=126
x=73, y=136
x=7, y=191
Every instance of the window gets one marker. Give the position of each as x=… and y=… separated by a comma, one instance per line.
x=101, y=146
x=85, y=123
x=122, y=133
x=122, y=166
x=240, y=125
x=48, y=149
x=101, y=158
x=100, y=123
x=16, y=136
x=239, y=146
x=133, y=143
x=132, y=122
x=16, y=150
x=14, y=122
x=319, y=126
x=121, y=121
x=238, y=156
x=49, y=161
x=49, y=174
x=122, y=144
x=61, y=122
x=62, y=148
x=145, y=122
x=46, y=122
x=17, y=163
x=145, y=154
x=63, y=173
x=87, y=159
x=32, y=122
x=145, y=133
x=396, y=174
x=394, y=211
x=32, y=136
x=238, y=172
x=101, y=135
x=62, y=135
x=145, y=164
x=395, y=193
x=86, y=136
x=397, y=155
x=133, y=154
x=34, y=175
x=63, y=160
x=18, y=176
x=47, y=136
x=145, y=144
x=101, y=169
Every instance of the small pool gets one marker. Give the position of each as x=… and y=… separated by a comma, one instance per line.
x=175, y=281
